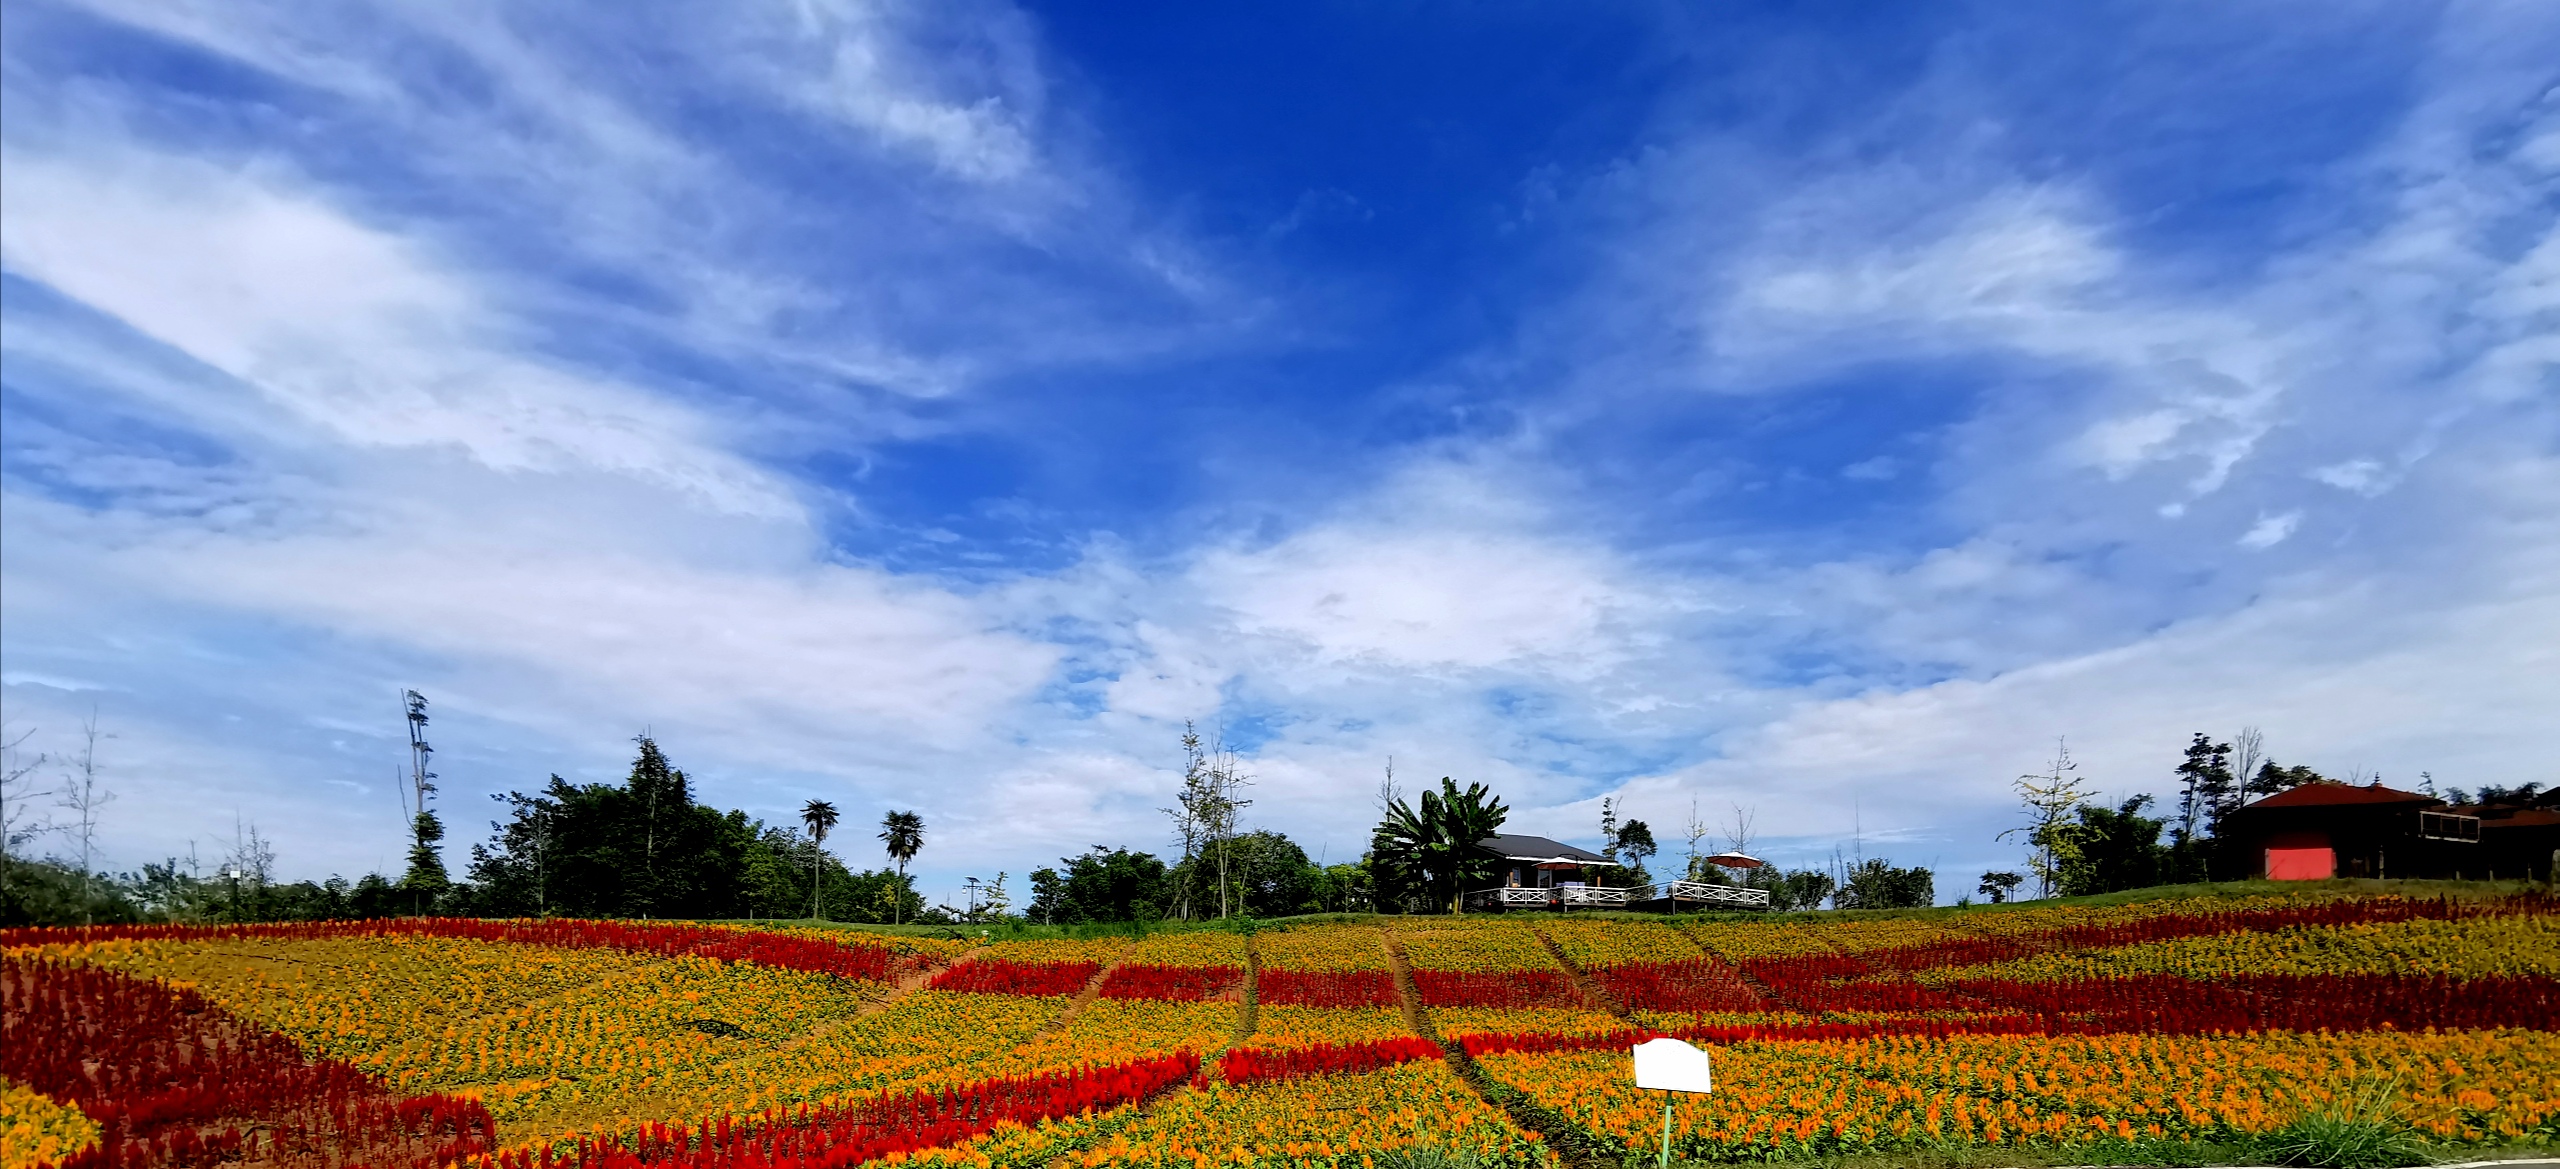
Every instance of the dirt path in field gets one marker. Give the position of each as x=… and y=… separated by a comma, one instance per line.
x=1092, y=990
x=1588, y=987
x=1249, y=1012
x=1577, y=1150
x=909, y=985
x=1758, y=987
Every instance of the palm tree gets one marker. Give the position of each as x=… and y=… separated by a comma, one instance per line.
x=903, y=832
x=819, y=815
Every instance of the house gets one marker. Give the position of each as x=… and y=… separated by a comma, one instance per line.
x=2519, y=836
x=1535, y=862
x=2322, y=830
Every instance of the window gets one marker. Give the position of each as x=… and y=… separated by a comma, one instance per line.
x=2447, y=826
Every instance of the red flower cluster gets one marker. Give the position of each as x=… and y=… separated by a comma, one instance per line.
x=1694, y=984
x=1495, y=988
x=1326, y=988
x=2171, y=1005
x=831, y=1138
x=788, y=951
x=996, y=976
x=1182, y=983
x=2169, y=926
x=1245, y=1065
x=158, y=1067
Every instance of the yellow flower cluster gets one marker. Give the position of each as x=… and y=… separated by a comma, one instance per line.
x=1595, y=944
x=36, y=1129
x=2038, y=918
x=1479, y=946
x=1188, y=948
x=2463, y=949
x=1291, y=1026
x=1905, y=1092
x=1887, y=933
x=1316, y=1121
x=1109, y=1031
x=1322, y=947
x=1739, y=941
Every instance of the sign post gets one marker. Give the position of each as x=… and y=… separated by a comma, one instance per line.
x=1671, y=1066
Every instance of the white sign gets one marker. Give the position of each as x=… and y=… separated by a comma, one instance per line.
x=1672, y=1066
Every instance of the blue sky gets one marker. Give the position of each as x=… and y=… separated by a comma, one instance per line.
x=1795, y=407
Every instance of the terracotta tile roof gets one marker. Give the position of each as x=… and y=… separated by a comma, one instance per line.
x=2319, y=795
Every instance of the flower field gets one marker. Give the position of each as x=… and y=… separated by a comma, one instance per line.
x=532, y=1045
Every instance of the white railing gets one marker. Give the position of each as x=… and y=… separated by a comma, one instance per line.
x=1614, y=897
x=1679, y=891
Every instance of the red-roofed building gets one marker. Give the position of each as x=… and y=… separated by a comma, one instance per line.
x=2322, y=830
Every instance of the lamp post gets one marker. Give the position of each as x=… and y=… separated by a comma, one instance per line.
x=232, y=874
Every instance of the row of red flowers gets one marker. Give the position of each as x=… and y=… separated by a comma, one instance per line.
x=1245, y=1065
x=1326, y=988
x=2159, y=1005
x=1495, y=988
x=997, y=976
x=1693, y=984
x=830, y=1138
x=1181, y=983
x=844, y=959
x=174, y=1081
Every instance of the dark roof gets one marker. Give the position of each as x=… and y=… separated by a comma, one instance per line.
x=2328, y=795
x=1537, y=848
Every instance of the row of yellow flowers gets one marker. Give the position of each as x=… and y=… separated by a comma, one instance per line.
x=1472, y=946
x=1322, y=948
x=1333, y=1122
x=1842, y=1096
x=1597, y=944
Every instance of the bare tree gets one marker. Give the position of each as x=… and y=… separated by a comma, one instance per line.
x=252, y=861
x=82, y=797
x=1737, y=831
x=1225, y=778
x=19, y=823
x=1186, y=815
x=2248, y=750
x=1698, y=831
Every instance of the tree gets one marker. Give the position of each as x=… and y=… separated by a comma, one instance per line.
x=510, y=874
x=1799, y=889
x=425, y=880
x=1105, y=884
x=1635, y=844
x=1187, y=814
x=2050, y=797
x=18, y=822
x=1433, y=851
x=820, y=816
x=1999, y=887
x=1212, y=779
x=903, y=834
x=2248, y=749
x=1876, y=884
x=2118, y=849
x=2271, y=779
x=2204, y=786
x=82, y=797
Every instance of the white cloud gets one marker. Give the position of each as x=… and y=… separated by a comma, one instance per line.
x=353, y=329
x=2270, y=531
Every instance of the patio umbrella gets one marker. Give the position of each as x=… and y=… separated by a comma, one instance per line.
x=1735, y=860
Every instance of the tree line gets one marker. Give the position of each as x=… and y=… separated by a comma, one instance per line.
x=644, y=847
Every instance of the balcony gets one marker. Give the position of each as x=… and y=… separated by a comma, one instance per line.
x=1668, y=895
